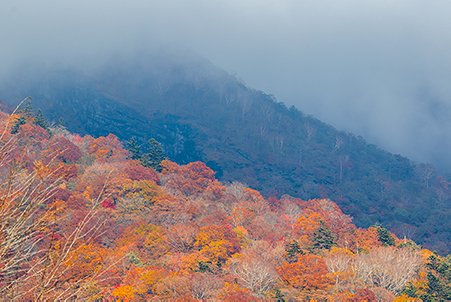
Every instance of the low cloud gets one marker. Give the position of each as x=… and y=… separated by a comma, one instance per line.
x=377, y=68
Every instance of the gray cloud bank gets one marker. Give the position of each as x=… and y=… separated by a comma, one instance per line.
x=378, y=68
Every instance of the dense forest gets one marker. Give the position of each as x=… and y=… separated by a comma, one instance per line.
x=201, y=113
x=82, y=220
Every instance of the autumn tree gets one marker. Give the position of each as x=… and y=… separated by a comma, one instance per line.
x=205, y=286
x=233, y=292
x=38, y=260
x=255, y=274
x=367, y=239
x=24, y=224
x=139, y=283
x=309, y=273
x=215, y=244
x=339, y=262
x=181, y=237
x=187, y=179
x=387, y=267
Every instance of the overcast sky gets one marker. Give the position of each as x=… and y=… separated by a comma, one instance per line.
x=378, y=68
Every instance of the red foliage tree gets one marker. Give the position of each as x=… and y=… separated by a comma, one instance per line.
x=189, y=179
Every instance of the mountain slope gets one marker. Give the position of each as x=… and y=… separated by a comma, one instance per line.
x=82, y=221
x=199, y=112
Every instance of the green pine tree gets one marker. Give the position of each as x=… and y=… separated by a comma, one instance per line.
x=134, y=148
x=323, y=238
x=26, y=108
x=278, y=296
x=60, y=122
x=385, y=236
x=40, y=120
x=19, y=122
x=435, y=289
x=293, y=250
x=154, y=156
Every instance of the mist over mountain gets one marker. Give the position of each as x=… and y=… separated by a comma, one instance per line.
x=200, y=112
x=379, y=69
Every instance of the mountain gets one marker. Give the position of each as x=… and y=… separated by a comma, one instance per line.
x=82, y=221
x=199, y=112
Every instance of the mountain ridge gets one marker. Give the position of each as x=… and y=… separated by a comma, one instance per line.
x=242, y=133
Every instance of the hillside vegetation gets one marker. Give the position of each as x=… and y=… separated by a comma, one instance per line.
x=199, y=112
x=81, y=220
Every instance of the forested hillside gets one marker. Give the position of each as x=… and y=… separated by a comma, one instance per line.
x=199, y=112
x=81, y=220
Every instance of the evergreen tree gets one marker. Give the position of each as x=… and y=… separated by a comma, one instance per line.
x=384, y=236
x=445, y=268
x=28, y=115
x=439, y=285
x=26, y=108
x=134, y=148
x=293, y=250
x=41, y=121
x=432, y=262
x=19, y=122
x=278, y=296
x=154, y=156
x=438, y=281
x=435, y=289
x=323, y=238
x=60, y=122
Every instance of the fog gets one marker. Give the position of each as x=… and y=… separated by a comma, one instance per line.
x=377, y=68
